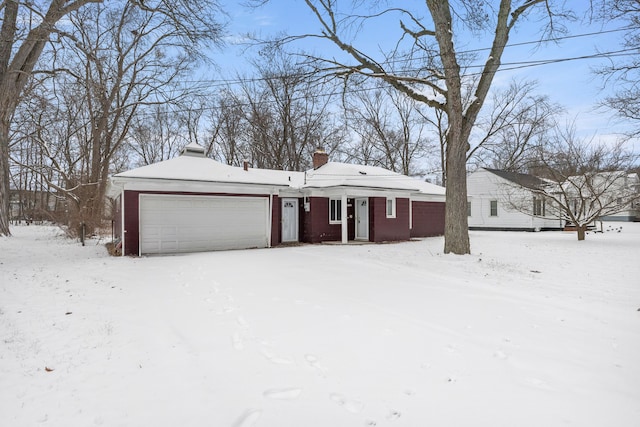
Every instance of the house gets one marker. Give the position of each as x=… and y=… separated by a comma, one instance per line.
x=617, y=191
x=491, y=197
x=36, y=205
x=192, y=203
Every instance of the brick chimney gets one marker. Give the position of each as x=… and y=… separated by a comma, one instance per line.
x=320, y=157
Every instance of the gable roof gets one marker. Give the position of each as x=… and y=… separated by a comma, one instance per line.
x=522, y=179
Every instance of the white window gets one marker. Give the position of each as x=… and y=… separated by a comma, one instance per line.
x=335, y=211
x=493, y=211
x=539, y=207
x=391, y=208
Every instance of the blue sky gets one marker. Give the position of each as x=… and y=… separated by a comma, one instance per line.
x=571, y=84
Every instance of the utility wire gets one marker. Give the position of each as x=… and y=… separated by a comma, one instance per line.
x=506, y=66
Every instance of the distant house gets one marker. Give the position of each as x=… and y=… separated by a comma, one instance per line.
x=192, y=203
x=35, y=205
x=618, y=193
x=491, y=194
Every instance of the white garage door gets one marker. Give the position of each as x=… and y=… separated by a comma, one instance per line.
x=172, y=224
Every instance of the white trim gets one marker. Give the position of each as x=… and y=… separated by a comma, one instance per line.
x=270, y=220
x=491, y=210
x=169, y=186
x=355, y=192
x=122, y=225
x=335, y=221
x=297, y=218
x=345, y=228
x=139, y=224
x=357, y=218
x=393, y=207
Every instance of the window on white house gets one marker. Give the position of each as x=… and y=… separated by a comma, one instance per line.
x=335, y=211
x=539, y=207
x=493, y=208
x=468, y=207
x=391, y=208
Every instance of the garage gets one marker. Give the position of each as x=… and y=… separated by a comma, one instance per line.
x=183, y=223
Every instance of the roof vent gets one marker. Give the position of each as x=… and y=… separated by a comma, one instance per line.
x=193, y=150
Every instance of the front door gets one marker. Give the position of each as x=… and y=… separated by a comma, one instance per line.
x=289, y=220
x=362, y=219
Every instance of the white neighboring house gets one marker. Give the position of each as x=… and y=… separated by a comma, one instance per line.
x=624, y=192
x=489, y=208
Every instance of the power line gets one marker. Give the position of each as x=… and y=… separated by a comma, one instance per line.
x=227, y=82
x=510, y=66
x=507, y=66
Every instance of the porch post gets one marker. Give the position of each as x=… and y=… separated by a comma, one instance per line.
x=345, y=229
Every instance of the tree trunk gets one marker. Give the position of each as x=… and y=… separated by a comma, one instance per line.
x=582, y=231
x=456, y=230
x=5, y=193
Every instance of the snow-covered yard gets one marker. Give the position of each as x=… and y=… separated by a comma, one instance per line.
x=533, y=329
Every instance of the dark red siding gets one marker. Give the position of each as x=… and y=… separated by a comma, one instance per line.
x=131, y=223
x=428, y=219
x=132, y=218
x=315, y=223
x=383, y=229
x=276, y=222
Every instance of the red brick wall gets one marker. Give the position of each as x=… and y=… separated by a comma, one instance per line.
x=428, y=219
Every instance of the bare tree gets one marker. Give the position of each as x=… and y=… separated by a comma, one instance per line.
x=228, y=141
x=287, y=114
x=423, y=63
x=516, y=123
x=26, y=30
x=390, y=129
x=155, y=135
x=584, y=181
x=116, y=60
x=624, y=73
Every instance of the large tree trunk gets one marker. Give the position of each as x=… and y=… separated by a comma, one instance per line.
x=456, y=222
x=4, y=177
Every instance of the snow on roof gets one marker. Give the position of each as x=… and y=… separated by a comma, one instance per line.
x=335, y=174
x=199, y=168
x=193, y=168
x=290, y=178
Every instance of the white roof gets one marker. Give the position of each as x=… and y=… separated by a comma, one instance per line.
x=193, y=168
x=344, y=174
x=196, y=167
